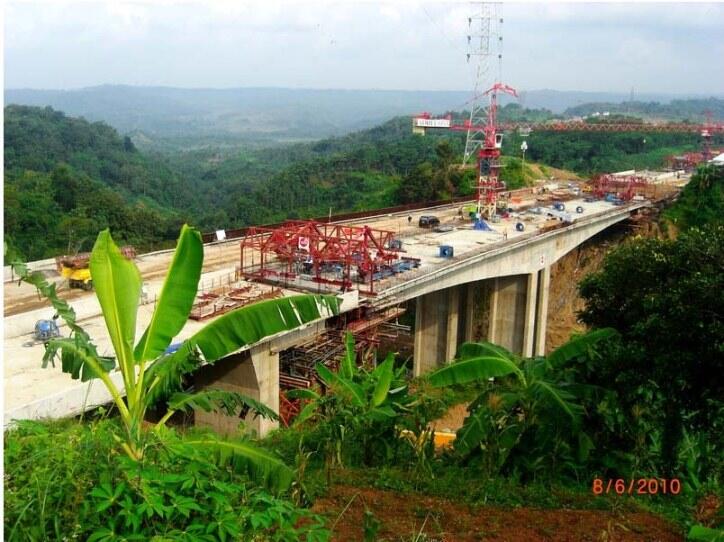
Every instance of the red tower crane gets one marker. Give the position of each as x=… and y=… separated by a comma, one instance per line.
x=488, y=175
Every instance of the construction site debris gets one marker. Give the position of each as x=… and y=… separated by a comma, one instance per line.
x=223, y=300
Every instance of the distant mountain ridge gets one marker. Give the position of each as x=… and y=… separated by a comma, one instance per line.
x=270, y=114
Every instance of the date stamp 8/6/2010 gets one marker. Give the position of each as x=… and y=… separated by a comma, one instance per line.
x=636, y=486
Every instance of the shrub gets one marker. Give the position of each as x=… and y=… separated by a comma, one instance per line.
x=67, y=481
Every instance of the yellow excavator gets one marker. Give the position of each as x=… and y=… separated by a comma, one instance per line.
x=77, y=270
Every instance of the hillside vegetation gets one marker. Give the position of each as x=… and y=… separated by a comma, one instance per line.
x=166, y=118
x=692, y=109
x=67, y=178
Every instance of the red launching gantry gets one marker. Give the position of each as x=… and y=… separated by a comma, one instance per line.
x=323, y=253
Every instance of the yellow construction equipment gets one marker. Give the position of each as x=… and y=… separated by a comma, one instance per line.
x=77, y=278
x=76, y=268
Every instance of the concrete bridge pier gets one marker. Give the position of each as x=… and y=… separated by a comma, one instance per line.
x=518, y=312
x=254, y=373
x=443, y=321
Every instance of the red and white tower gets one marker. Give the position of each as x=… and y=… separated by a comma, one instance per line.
x=488, y=174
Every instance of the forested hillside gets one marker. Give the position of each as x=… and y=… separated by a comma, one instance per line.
x=67, y=178
x=177, y=118
x=692, y=109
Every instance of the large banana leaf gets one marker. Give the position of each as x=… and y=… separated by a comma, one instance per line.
x=348, y=366
x=557, y=398
x=77, y=361
x=477, y=427
x=578, y=346
x=309, y=410
x=473, y=431
x=342, y=385
x=477, y=350
x=229, y=402
x=474, y=369
x=177, y=296
x=231, y=332
x=261, y=465
x=385, y=373
x=248, y=325
x=118, y=287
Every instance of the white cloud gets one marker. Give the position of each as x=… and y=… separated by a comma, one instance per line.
x=320, y=43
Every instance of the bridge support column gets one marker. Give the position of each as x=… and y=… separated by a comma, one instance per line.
x=541, y=317
x=531, y=302
x=467, y=304
x=437, y=316
x=254, y=373
x=508, y=304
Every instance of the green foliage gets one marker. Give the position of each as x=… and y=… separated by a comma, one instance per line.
x=528, y=418
x=701, y=201
x=118, y=285
x=601, y=152
x=666, y=298
x=516, y=174
x=65, y=179
x=699, y=533
x=65, y=480
x=356, y=419
x=691, y=109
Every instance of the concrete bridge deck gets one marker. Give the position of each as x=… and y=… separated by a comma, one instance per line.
x=33, y=392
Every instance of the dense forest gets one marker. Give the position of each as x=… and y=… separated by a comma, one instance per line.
x=692, y=109
x=67, y=178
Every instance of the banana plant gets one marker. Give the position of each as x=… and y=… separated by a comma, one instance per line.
x=148, y=375
x=360, y=405
x=526, y=406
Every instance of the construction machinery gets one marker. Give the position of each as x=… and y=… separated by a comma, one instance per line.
x=77, y=269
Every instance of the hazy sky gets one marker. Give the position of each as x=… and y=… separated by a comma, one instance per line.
x=677, y=48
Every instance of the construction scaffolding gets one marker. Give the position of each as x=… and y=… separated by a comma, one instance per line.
x=317, y=254
x=297, y=364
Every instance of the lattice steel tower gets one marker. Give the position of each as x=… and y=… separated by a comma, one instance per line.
x=484, y=48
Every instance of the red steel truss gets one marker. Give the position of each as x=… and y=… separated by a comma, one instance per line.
x=707, y=128
x=625, y=187
x=328, y=252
